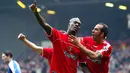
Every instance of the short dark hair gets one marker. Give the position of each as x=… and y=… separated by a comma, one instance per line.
x=104, y=29
x=8, y=54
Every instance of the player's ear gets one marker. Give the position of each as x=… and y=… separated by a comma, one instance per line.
x=102, y=34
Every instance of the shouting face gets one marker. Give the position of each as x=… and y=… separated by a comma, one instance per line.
x=74, y=26
x=96, y=32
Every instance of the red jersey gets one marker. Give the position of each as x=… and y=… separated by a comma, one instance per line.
x=65, y=55
x=47, y=53
x=98, y=66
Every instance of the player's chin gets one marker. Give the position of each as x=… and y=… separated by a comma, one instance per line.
x=75, y=31
x=4, y=61
x=93, y=37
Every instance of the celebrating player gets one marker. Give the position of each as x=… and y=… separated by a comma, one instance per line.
x=97, y=49
x=65, y=55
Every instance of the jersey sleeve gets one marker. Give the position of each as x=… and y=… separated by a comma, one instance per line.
x=106, y=51
x=55, y=34
x=47, y=53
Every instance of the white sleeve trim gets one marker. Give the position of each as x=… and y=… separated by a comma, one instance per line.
x=105, y=48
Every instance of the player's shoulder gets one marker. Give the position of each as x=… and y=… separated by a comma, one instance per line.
x=87, y=38
x=107, y=44
x=80, y=39
x=59, y=31
x=12, y=62
x=55, y=30
x=49, y=48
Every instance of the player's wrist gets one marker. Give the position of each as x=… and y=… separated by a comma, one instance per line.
x=35, y=10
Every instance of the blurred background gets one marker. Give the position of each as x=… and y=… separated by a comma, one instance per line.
x=15, y=17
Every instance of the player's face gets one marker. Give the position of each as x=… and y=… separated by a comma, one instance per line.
x=74, y=27
x=4, y=58
x=96, y=32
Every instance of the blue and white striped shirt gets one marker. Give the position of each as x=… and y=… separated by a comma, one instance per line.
x=13, y=67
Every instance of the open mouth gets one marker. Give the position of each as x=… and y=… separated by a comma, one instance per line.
x=75, y=29
x=92, y=34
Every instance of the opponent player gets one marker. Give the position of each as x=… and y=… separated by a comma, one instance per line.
x=65, y=55
x=13, y=66
x=97, y=49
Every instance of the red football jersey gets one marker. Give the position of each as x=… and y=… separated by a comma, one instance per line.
x=98, y=66
x=47, y=53
x=65, y=55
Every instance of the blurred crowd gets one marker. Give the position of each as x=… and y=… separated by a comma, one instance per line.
x=33, y=63
x=120, y=59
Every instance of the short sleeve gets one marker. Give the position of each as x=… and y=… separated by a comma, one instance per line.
x=106, y=52
x=47, y=53
x=54, y=35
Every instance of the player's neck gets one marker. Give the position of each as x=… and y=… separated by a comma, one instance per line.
x=10, y=59
x=71, y=33
x=99, y=41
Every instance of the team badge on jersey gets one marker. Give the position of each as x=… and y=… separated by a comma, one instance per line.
x=70, y=48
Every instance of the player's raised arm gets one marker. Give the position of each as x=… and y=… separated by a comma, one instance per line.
x=40, y=19
x=30, y=44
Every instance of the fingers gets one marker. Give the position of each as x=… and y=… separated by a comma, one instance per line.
x=33, y=6
x=35, y=2
x=72, y=36
x=71, y=40
x=20, y=35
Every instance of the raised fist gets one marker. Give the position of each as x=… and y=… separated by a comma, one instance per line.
x=21, y=36
x=33, y=7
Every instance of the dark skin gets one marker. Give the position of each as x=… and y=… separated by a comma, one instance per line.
x=73, y=27
x=98, y=37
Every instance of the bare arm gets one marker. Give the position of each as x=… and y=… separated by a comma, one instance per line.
x=40, y=19
x=89, y=53
x=31, y=45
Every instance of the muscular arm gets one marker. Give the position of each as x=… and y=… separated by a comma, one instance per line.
x=89, y=53
x=43, y=23
x=40, y=19
x=31, y=45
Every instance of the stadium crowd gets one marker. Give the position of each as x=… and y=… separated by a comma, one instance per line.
x=33, y=63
